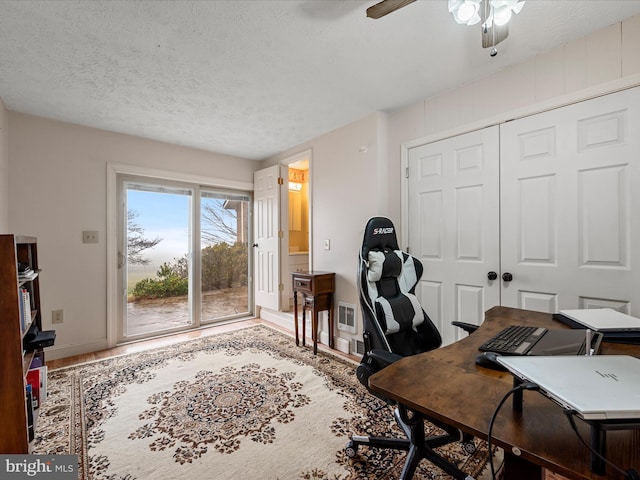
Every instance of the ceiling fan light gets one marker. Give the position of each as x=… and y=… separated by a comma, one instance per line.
x=475, y=19
x=514, y=5
x=502, y=3
x=494, y=15
x=502, y=15
x=465, y=11
x=454, y=5
x=517, y=7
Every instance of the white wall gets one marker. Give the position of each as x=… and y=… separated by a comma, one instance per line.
x=57, y=189
x=4, y=168
x=578, y=68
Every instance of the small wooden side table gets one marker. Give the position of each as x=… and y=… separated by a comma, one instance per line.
x=317, y=289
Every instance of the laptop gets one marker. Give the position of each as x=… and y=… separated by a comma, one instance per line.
x=603, y=319
x=598, y=387
x=526, y=340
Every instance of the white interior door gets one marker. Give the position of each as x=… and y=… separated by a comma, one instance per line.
x=454, y=227
x=570, y=201
x=266, y=213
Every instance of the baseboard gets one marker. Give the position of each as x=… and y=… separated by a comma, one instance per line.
x=285, y=320
x=63, y=351
x=342, y=345
x=282, y=319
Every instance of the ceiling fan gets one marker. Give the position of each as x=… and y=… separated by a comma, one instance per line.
x=386, y=7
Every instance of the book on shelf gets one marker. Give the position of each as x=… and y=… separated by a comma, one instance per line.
x=33, y=381
x=30, y=425
x=43, y=383
x=37, y=380
x=25, y=309
x=21, y=309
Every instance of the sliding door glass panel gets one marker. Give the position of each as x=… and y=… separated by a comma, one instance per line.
x=158, y=259
x=224, y=255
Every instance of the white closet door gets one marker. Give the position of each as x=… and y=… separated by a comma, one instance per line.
x=454, y=227
x=570, y=206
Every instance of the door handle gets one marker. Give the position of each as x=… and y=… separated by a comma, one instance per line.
x=507, y=277
x=255, y=245
x=492, y=275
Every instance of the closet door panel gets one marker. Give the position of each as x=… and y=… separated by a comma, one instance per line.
x=604, y=218
x=566, y=203
x=454, y=227
x=537, y=228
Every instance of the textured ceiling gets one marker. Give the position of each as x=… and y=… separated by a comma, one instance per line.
x=253, y=78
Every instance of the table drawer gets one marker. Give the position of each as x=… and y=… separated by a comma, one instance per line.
x=303, y=284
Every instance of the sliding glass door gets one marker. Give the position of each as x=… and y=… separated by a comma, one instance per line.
x=184, y=256
x=224, y=250
x=158, y=252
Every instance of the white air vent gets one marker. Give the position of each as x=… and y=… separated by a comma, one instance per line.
x=357, y=346
x=346, y=317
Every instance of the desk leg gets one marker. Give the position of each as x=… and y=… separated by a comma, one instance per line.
x=295, y=315
x=517, y=395
x=598, y=439
x=517, y=468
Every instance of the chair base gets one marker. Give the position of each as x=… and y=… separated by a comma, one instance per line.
x=416, y=444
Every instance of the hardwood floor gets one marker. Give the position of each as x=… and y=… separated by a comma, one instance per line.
x=140, y=346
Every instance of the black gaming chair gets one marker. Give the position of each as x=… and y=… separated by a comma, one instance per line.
x=396, y=326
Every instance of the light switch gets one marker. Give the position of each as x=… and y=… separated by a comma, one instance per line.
x=327, y=244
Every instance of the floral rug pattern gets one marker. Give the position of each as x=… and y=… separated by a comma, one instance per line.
x=245, y=404
x=220, y=410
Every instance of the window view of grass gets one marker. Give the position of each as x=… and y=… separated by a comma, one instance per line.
x=159, y=261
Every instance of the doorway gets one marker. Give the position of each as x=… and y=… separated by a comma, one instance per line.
x=297, y=257
x=184, y=256
x=282, y=233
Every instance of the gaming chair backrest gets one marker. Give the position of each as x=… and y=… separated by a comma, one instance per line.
x=393, y=319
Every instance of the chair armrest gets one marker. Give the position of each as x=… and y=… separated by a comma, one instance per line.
x=383, y=358
x=467, y=327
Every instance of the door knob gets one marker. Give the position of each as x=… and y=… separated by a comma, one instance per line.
x=254, y=245
x=507, y=277
x=492, y=275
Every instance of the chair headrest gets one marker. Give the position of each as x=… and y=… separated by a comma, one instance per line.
x=384, y=265
x=379, y=234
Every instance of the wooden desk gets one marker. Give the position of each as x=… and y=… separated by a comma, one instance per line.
x=447, y=385
x=317, y=289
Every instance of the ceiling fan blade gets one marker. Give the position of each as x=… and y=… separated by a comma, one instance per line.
x=386, y=7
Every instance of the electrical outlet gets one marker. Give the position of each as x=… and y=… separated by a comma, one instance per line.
x=90, y=236
x=57, y=316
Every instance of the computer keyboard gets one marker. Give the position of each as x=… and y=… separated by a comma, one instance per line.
x=508, y=341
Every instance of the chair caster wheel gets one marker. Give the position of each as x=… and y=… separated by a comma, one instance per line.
x=469, y=447
x=351, y=449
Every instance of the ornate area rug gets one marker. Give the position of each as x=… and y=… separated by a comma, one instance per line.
x=246, y=404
